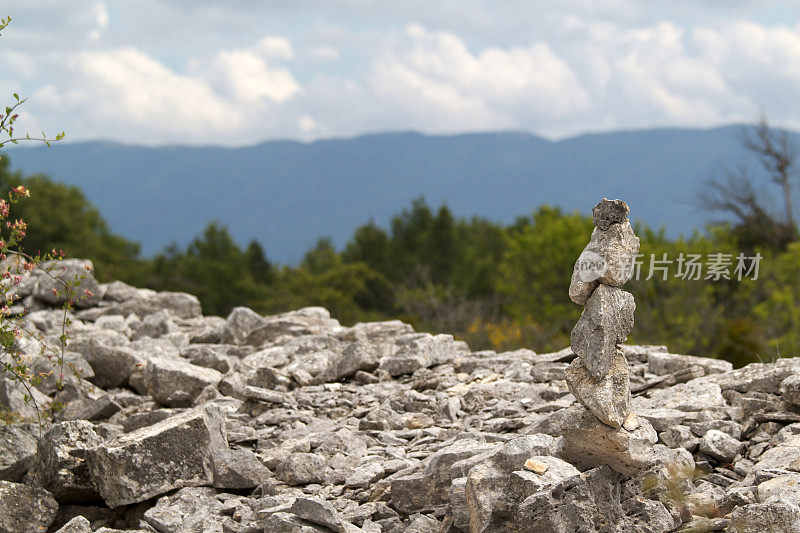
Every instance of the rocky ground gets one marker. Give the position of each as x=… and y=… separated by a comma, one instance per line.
x=293, y=423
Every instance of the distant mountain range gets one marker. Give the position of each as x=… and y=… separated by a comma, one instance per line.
x=287, y=194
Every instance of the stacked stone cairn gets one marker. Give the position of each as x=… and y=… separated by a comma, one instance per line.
x=599, y=377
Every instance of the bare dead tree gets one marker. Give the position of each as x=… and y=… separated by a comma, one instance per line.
x=734, y=193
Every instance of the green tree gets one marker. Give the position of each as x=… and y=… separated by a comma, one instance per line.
x=535, y=274
x=62, y=218
x=262, y=270
x=213, y=268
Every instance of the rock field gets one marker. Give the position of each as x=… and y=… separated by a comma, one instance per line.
x=293, y=423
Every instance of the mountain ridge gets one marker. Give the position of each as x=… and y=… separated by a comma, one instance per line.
x=288, y=193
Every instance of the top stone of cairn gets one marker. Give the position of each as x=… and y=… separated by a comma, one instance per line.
x=609, y=212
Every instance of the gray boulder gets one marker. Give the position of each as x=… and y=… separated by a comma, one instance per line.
x=790, y=389
x=176, y=382
x=13, y=399
x=493, y=494
x=24, y=509
x=423, y=352
x=720, y=446
x=426, y=489
x=86, y=293
x=303, y=468
x=79, y=524
x=318, y=512
x=240, y=323
x=17, y=449
x=60, y=465
x=176, y=452
x=179, y=305
x=590, y=443
x=112, y=365
x=238, y=469
x=189, y=509
x=771, y=516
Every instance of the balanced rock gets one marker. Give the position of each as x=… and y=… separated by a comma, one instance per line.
x=609, y=212
x=605, y=322
x=608, y=398
x=609, y=258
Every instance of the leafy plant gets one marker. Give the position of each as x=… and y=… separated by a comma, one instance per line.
x=15, y=363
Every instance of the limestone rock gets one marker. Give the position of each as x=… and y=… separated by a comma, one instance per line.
x=424, y=490
x=240, y=323
x=189, y=509
x=790, y=389
x=720, y=446
x=608, y=398
x=112, y=365
x=176, y=452
x=87, y=293
x=771, y=516
x=17, y=449
x=12, y=399
x=609, y=258
x=605, y=322
x=783, y=488
x=609, y=212
x=589, y=442
x=584, y=280
x=660, y=364
x=492, y=493
x=79, y=524
x=238, y=469
x=303, y=468
x=24, y=508
x=179, y=304
x=318, y=512
x=60, y=465
x=423, y=352
x=164, y=379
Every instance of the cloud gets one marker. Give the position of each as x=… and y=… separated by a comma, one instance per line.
x=248, y=77
x=126, y=88
x=194, y=71
x=435, y=76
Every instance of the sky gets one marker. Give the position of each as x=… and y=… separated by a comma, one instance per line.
x=239, y=72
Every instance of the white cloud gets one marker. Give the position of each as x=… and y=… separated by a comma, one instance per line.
x=248, y=77
x=123, y=89
x=181, y=71
x=436, y=76
x=307, y=123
